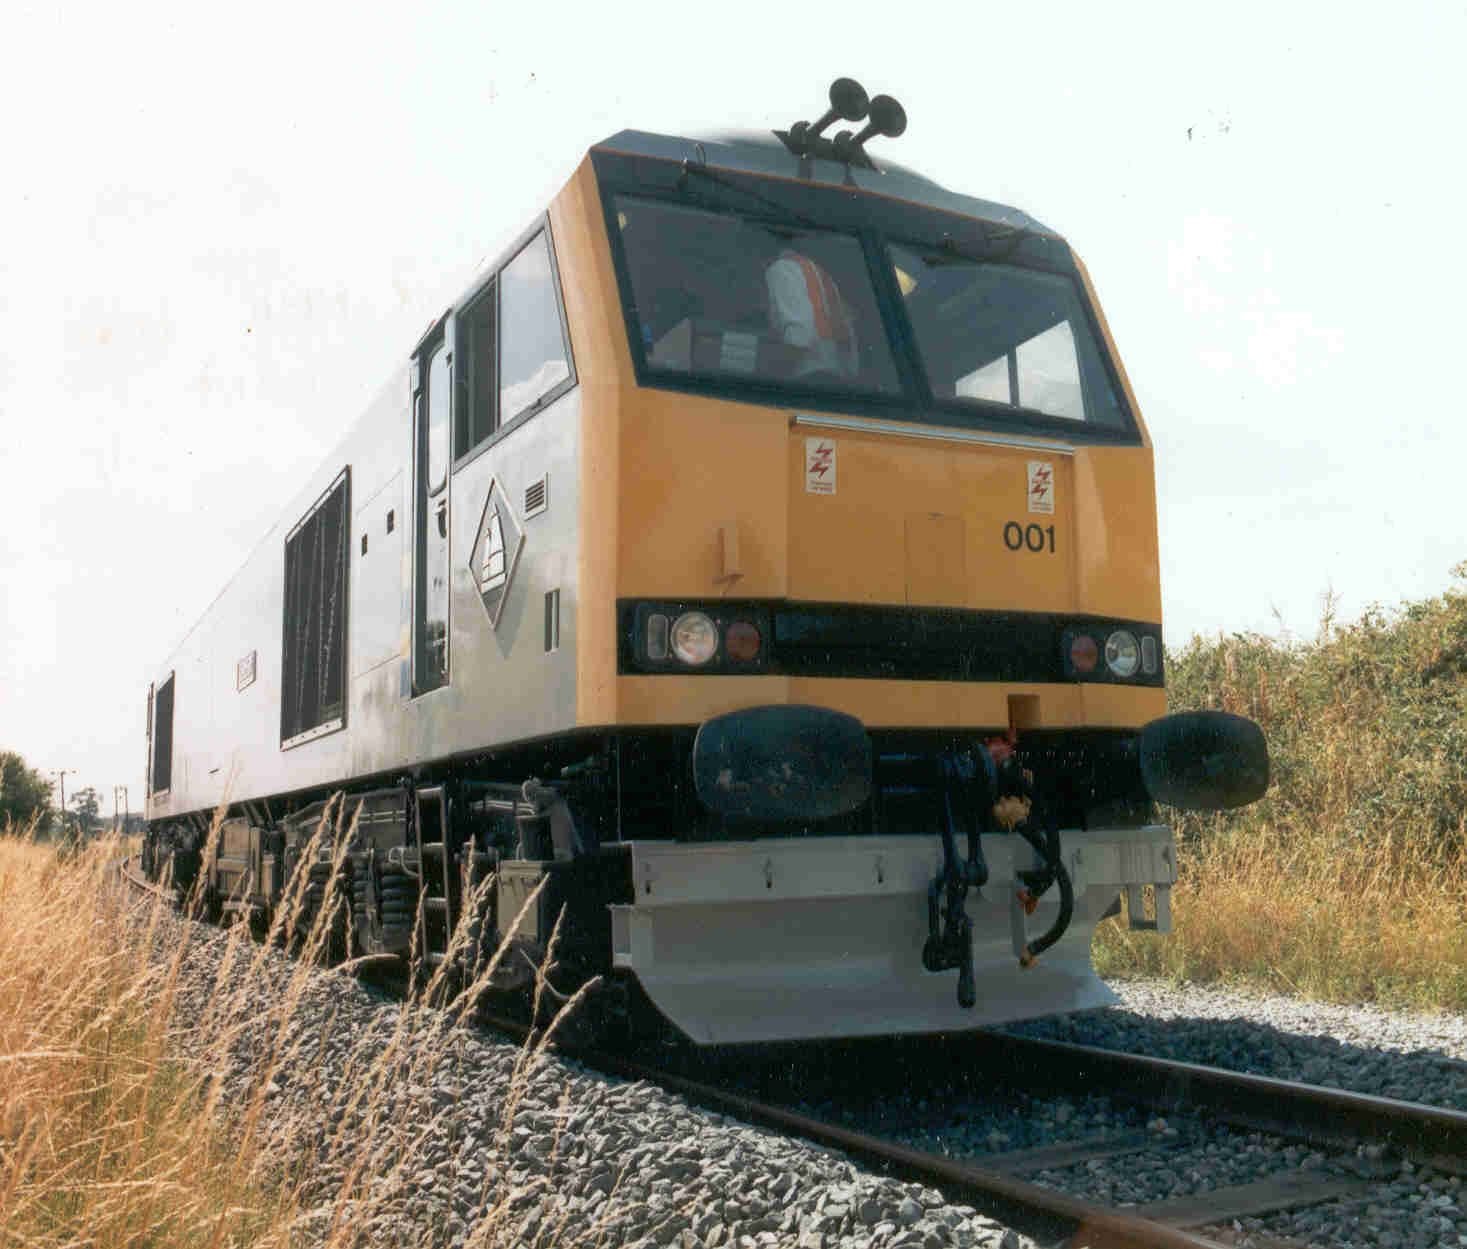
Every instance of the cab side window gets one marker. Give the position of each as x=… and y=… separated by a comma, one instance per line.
x=478, y=377
x=532, y=355
x=438, y=419
x=512, y=356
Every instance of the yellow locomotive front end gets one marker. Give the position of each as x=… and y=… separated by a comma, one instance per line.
x=869, y=594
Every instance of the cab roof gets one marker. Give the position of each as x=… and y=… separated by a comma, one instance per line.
x=760, y=152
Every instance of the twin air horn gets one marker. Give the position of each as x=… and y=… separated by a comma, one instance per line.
x=848, y=102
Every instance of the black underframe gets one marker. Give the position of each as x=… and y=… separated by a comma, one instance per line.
x=874, y=220
x=652, y=795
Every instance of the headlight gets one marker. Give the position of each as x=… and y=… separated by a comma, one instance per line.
x=1122, y=653
x=694, y=638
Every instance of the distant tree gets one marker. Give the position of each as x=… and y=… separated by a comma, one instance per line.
x=24, y=792
x=86, y=804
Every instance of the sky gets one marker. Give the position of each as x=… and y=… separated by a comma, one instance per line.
x=221, y=229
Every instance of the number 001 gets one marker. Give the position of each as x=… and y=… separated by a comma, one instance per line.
x=1019, y=537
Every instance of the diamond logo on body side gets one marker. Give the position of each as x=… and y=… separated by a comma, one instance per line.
x=496, y=552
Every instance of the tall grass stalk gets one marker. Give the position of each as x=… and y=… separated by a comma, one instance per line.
x=103, y=1138
x=142, y=1060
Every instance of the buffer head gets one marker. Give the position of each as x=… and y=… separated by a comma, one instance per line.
x=1204, y=760
x=781, y=763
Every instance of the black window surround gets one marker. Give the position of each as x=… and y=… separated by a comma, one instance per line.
x=877, y=220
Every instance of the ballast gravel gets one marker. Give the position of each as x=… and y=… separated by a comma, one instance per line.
x=472, y=1142
x=469, y=1142
x=1414, y=1057
x=1365, y=1049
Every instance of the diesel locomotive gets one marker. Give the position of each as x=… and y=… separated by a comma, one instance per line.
x=756, y=569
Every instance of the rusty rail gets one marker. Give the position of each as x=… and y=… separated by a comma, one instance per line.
x=141, y=883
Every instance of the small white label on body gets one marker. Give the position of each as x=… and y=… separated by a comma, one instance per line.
x=819, y=466
x=1041, y=486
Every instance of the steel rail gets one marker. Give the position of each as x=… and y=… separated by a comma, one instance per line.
x=1316, y=1115
x=142, y=883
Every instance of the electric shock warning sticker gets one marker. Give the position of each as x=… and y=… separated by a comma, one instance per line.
x=819, y=466
x=1041, y=486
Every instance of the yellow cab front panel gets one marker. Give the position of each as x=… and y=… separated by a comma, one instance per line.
x=689, y=496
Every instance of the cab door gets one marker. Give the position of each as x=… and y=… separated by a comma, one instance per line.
x=432, y=386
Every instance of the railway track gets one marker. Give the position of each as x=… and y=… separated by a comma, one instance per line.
x=131, y=875
x=1319, y=1117
x=1322, y=1118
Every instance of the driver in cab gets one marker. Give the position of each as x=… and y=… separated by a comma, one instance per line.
x=807, y=312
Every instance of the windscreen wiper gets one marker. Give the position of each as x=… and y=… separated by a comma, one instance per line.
x=691, y=167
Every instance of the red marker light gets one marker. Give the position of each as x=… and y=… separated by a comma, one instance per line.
x=741, y=641
x=1084, y=654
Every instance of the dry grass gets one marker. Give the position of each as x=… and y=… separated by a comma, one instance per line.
x=1307, y=917
x=102, y=1137
x=139, y=1098
x=1348, y=880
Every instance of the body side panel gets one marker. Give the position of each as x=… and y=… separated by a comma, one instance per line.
x=504, y=685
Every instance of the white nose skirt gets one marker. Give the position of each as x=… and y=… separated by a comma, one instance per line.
x=801, y=938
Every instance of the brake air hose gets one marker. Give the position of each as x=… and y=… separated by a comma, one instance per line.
x=1050, y=856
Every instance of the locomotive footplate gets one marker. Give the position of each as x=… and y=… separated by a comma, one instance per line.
x=778, y=939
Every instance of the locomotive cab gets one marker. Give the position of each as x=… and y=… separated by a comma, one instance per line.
x=875, y=463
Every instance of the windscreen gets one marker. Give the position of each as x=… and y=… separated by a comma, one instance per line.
x=788, y=292
x=998, y=334
x=721, y=295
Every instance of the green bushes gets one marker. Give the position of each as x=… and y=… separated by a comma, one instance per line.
x=1348, y=879
x=25, y=794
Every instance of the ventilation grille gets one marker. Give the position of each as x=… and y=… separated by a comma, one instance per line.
x=537, y=496
x=163, y=737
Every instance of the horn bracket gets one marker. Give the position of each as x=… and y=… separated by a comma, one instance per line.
x=848, y=102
